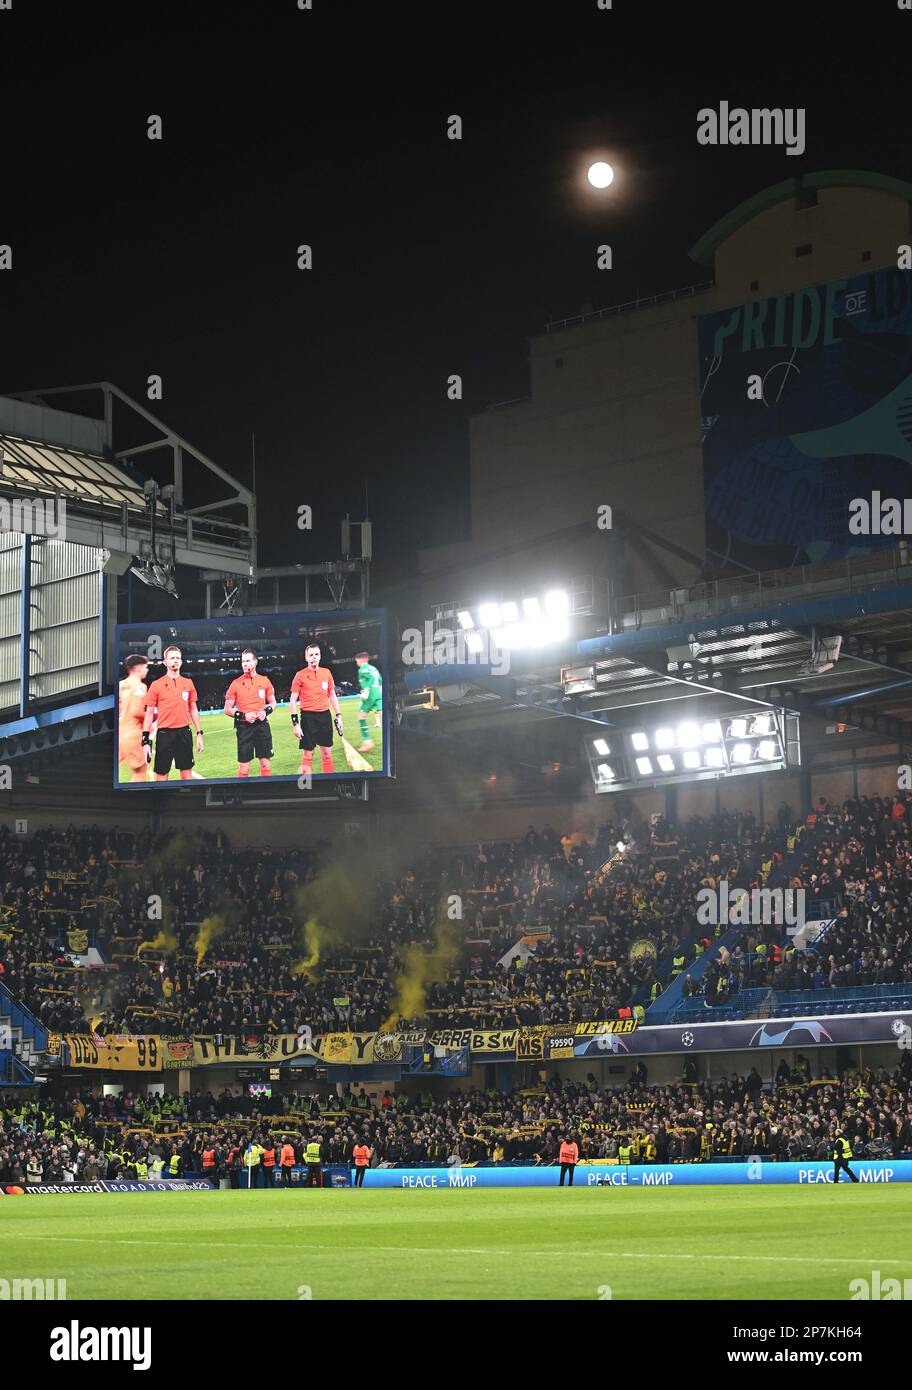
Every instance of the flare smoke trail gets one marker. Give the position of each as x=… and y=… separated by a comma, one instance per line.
x=423, y=968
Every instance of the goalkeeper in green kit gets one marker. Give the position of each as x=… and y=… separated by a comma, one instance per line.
x=371, y=698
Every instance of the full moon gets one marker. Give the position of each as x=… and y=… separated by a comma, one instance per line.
x=600, y=175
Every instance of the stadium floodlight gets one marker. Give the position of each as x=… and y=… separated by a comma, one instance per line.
x=712, y=732
x=692, y=758
x=606, y=772
x=640, y=742
x=465, y=619
x=155, y=574
x=473, y=641
x=688, y=734
x=601, y=747
x=664, y=738
x=531, y=607
x=557, y=603
x=762, y=724
x=509, y=612
x=579, y=680
x=714, y=757
x=530, y=634
x=741, y=753
x=644, y=767
x=768, y=748
x=489, y=615
x=666, y=762
x=737, y=728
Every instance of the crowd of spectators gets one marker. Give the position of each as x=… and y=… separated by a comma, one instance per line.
x=86, y=1138
x=142, y=901
x=196, y=936
x=855, y=872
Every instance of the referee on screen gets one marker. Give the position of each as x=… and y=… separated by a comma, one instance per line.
x=249, y=701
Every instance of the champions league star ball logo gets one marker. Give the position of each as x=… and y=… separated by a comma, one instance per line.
x=815, y=1031
x=687, y=1039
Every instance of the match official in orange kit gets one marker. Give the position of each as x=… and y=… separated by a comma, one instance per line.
x=568, y=1158
x=249, y=701
x=173, y=698
x=313, y=693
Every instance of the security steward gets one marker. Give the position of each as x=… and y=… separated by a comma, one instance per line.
x=361, y=1154
x=269, y=1163
x=314, y=1163
x=568, y=1159
x=842, y=1152
x=287, y=1162
x=625, y=1152
x=210, y=1168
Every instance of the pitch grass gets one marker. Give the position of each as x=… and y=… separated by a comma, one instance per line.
x=693, y=1243
x=219, y=756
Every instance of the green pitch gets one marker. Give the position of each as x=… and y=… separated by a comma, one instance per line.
x=531, y=1243
x=219, y=758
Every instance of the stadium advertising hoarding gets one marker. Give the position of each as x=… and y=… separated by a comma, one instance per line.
x=126, y=1185
x=754, y=1173
x=755, y=1033
x=293, y=697
x=782, y=467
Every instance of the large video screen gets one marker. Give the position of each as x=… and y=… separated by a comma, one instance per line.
x=290, y=696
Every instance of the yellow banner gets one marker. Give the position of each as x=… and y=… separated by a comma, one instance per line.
x=335, y=1047
x=490, y=1040
x=271, y=1048
x=530, y=1045
x=141, y=1053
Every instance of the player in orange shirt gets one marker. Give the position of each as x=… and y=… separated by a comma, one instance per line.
x=173, y=698
x=313, y=693
x=249, y=700
x=131, y=712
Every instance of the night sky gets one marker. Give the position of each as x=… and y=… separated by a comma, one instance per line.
x=431, y=256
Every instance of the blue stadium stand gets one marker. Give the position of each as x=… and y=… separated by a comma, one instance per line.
x=28, y=1039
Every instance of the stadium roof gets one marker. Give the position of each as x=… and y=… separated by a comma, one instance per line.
x=71, y=455
x=47, y=468
x=704, y=250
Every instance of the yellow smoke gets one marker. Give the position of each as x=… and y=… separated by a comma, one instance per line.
x=210, y=929
x=165, y=941
x=313, y=935
x=423, y=968
x=332, y=911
